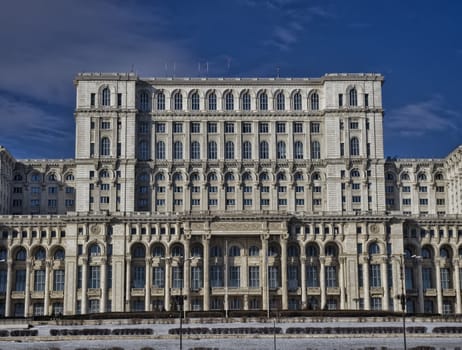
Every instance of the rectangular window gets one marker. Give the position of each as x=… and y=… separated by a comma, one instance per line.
x=143, y=127
x=440, y=201
x=273, y=276
x=254, y=277
x=315, y=128
x=93, y=277
x=264, y=189
x=292, y=277
x=299, y=201
x=52, y=203
x=104, y=187
x=427, y=278
x=263, y=128
x=389, y=189
x=356, y=199
x=342, y=149
x=375, y=276
x=20, y=280
x=160, y=189
x=406, y=201
x=158, y=277
x=39, y=280
x=138, y=277
x=177, y=277
x=298, y=128
x=69, y=202
x=354, y=125
x=231, y=202
x=211, y=127
x=406, y=189
x=104, y=199
x=423, y=189
x=196, y=202
x=178, y=189
x=312, y=276
x=247, y=189
x=229, y=128
x=105, y=124
x=216, y=276
x=195, y=189
x=119, y=100
x=423, y=201
x=195, y=128
x=264, y=202
x=331, y=277
x=92, y=99
x=160, y=202
x=230, y=189
x=160, y=128
x=366, y=100
x=445, y=278
x=177, y=128
x=246, y=128
x=3, y=274
x=213, y=202
x=439, y=188
x=299, y=189
x=282, y=201
x=280, y=127
x=247, y=202
x=340, y=100
x=317, y=201
x=213, y=189
x=58, y=280
x=196, y=277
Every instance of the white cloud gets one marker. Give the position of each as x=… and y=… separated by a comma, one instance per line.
x=417, y=119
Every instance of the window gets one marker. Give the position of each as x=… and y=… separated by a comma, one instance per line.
x=331, y=277
x=312, y=276
x=119, y=100
x=195, y=150
x=93, y=277
x=445, y=278
x=106, y=97
x=263, y=101
x=216, y=276
x=196, y=277
x=354, y=125
x=366, y=100
x=427, y=278
x=263, y=128
x=298, y=150
x=315, y=128
x=354, y=146
x=138, y=277
x=195, y=106
x=105, y=146
x=52, y=203
x=160, y=150
x=229, y=150
x=177, y=101
x=39, y=280
x=246, y=101
x=229, y=128
x=178, y=150
x=246, y=128
x=280, y=101
x=264, y=150
x=340, y=100
x=439, y=188
x=211, y=128
x=105, y=125
x=144, y=101
x=315, y=150
x=273, y=275
x=160, y=101
x=143, y=150
x=212, y=99
x=375, y=277
x=406, y=189
x=353, y=97
x=298, y=128
x=92, y=99
x=254, y=276
x=297, y=101
x=58, y=280
x=229, y=101
x=281, y=150
x=423, y=201
x=280, y=127
x=247, y=150
x=299, y=189
x=195, y=128
x=158, y=277
x=314, y=101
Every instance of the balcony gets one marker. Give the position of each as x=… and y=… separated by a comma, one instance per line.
x=449, y=292
x=333, y=291
x=94, y=292
x=313, y=290
x=430, y=292
x=137, y=292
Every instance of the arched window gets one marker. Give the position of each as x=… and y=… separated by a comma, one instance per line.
x=281, y=150
x=105, y=146
x=21, y=255
x=177, y=101
x=194, y=177
x=52, y=177
x=160, y=150
x=331, y=250
x=17, y=177
x=353, y=97
x=405, y=177
x=374, y=249
x=177, y=150
x=315, y=150
x=247, y=177
x=280, y=101
x=314, y=101
x=234, y=251
x=316, y=176
x=70, y=177
x=273, y=250
x=160, y=177
x=293, y=251
x=354, y=146
x=212, y=150
x=195, y=150
x=229, y=177
x=254, y=251
x=212, y=101
x=297, y=101
x=390, y=176
x=312, y=251
x=197, y=251
x=215, y=251
x=229, y=150
x=139, y=251
x=94, y=250
x=246, y=101
x=422, y=177
x=426, y=253
x=298, y=150
x=59, y=254
x=263, y=101
x=177, y=177
x=298, y=176
x=212, y=177
x=106, y=97
x=264, y=176
x=104, y=173
x=229, y=101
x=195, y=104
x=144, y=101
x=177, y=250
x=3, y=255
x=158, y=251
x=160, y=101
x=281, y=176
x=355, y=173
x=143, y=150
x=444, y=252
x=247, y=150
x=439, y=176
x=264, y=150
x=40, y=254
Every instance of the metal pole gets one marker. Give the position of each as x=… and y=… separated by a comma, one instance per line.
x=181, y=320
x=403, y=299
x=274, y=333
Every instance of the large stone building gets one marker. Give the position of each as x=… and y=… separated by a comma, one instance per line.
x=237, y=193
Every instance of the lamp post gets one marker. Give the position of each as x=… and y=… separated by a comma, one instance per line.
x=402, y=296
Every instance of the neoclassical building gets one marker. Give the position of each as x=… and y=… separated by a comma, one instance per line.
x=237, y=193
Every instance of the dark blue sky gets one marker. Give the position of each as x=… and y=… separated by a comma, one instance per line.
x=416, y=45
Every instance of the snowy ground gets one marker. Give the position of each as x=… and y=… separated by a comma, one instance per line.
x=160, y=340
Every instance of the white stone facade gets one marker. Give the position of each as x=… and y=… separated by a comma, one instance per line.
x=238, y=193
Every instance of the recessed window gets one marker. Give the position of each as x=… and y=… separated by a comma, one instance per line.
x=353, y=97
x=106, y=97
x=314, y=101
x=297, y=101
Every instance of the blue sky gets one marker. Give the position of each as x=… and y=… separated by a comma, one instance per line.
x=416, y=45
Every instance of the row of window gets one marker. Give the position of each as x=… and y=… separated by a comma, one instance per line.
x=36, y=177
x=35, y=203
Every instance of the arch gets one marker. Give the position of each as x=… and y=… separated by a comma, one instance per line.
x=229, y=101
x=158, y=250
x=20, y=254
x=246, y=101
x=59, y=253
x=212, y=150
x=353, y=97
x=298, y=150
x=374, y=248
x=94, y=249
x=106, y=96
x=355, y=173
x=315, y=150
x=331, y=249
x=354, y=146
x=138, y=250
x=212, y=101
x=281, y=176
x=422, y=176
x=314, y=101
x=160, y=150
x=105, y=146
x=427, y=252
x=316, y=176
x=195, y=101
x=177, y=101
x=229, y=176
x=178, y=150
x=274, y=249
x=297, y=101
x=298, y=176
x=69, y=177
x=439, y=176
x=262, y=101
x=17, y=177
x=446, y=252
x=52, y=177
x=405, y=177
x=212, y=176
x=144, y=101
x=390, y=176
x=159, y=176
x=312, y=250
x=195, y=150
x=177, y=176
x=264, y=176
x=194, y=177
x=293, y=250
x=177, y=250
x=254, y=250
x=280, y=101
x=160, y=96
x=234, y=250
x=39, y=253
x=247, y=150
x=215, y=251
x=229, y=150
x=264, y=150
x=197, y=250
x=281, y=150
x=104, y=173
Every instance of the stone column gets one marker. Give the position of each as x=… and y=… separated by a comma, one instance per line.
x=102, y=307
x=206, y=267
x=285, y=295
x=147, y=292
x=46, y=302
x=366, y=290
x=386, y=288
x=439, y=292
x=420, y=286
x=303, y=278
x=83, y=303
x=186, y=277
x=167, y=284
x=9, y=277
x=128, y=284
x=264, y=270
x=322, y=280
x=27, y=290
x=342, y=282
x=456, y=274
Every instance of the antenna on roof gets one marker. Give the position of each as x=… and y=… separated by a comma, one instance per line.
x=277, y=71
x=228, y=59
x=165, y=67
x=207, y=68
x=174, y=69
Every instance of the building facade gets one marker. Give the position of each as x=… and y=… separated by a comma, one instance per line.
x=235, y=193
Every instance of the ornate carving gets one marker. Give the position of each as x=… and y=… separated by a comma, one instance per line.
x=95, y=229
x=235, y=226
x=374, y=228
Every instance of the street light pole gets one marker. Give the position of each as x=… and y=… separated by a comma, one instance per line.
x=402, y=297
